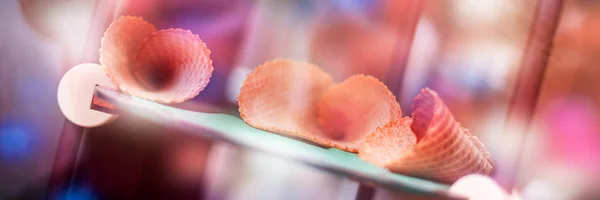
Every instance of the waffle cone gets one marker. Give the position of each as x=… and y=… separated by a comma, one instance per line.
x=282, y=97
x=167, y=66
x=354, y=108
x=444, y=150
x=172, y=65
x=119, y=47
x=272, y=99
x=388, y=143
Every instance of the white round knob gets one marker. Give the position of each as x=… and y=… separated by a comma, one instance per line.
x=479, y=187
x=75, y=92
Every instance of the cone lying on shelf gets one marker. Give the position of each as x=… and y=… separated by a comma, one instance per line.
x=299, y=100
x=361, y=115
x=431, y=144
x=167, y=66
x=354, y=108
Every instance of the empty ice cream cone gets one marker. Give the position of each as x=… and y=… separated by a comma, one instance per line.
x=167, y=66
x=444, y=150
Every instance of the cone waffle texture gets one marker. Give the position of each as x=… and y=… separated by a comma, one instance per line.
x=444, y=151
x=351, y=110
x=388, y=143
x=174, y=53
x=119, y=47
x=281, y=96
x=286, y=97
x=167, y=66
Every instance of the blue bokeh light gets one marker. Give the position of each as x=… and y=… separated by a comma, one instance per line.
x=16, y=140
x=355, y=5
x=77, y=193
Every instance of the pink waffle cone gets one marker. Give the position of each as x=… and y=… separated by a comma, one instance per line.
x=354, y=108
x=167, y=66
x=119, y=47
x=444, y=150
x=282, y=97
x=172, y=65
x=388, y=143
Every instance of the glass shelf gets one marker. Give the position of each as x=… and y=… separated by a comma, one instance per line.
x=231, y=129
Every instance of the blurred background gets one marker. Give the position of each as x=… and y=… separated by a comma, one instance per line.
x=469, y=51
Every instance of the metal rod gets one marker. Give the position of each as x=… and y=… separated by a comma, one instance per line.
x=71, y=134
x=365, y=192
x=65, y=158
x=533, y=67
x=405, y=19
